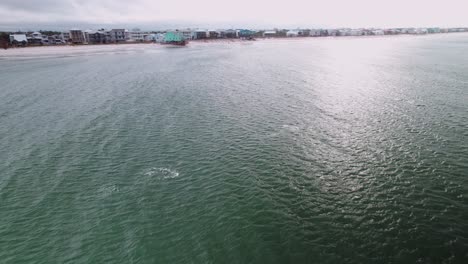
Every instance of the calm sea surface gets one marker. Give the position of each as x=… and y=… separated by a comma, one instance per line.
x=337, y=150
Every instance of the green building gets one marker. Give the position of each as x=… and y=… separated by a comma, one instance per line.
x=173, y=37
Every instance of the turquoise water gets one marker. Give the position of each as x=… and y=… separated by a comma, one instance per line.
x=340, y=150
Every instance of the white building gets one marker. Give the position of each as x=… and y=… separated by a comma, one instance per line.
x=292, y=33
x=356, y=32
x=19, y=38
x=421, y=31
x=136, y=35
x=314, y=32
x=188, y=34
x=344, y=32
x=269, y=33
x=119, y=35
x=159, y=37
x=35, y=38
x=65, y=36
x=378, y=32
x=36, y=35
x=86, y=34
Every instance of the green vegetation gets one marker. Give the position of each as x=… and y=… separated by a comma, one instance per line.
x=5, y=35
x=4, y=40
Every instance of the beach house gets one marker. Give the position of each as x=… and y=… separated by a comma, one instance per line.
x=65, y=36
x=378, y=32
x=229, y=33
x=201, y=34
x=118, y=35
x=212, y=33
x=292, y=33
x=77, y=36
x=245, y=33
x=96, y=37
x=18, y=39
x=188, y=34
x=35, y=38
x=136, y=35
x=270, y=33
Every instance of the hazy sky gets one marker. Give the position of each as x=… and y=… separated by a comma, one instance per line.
x=305, y=13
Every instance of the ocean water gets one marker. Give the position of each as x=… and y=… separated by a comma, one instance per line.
x=331, y=150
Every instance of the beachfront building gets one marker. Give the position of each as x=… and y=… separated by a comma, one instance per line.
x=281, y=32
x=378, y=32
x=65, y=36
x=392, y=31
x=323, y=33
x=270, y=33
x=333, y=32
x=158, y=37
x=343, y=32
x=37, y=35
x=55, y=40
x=188, y=34
x=173, y=36
x=86, y=34
x=35, y=38
x=356, y=32
x=97, y=37
x=403, y=30
x=201, y=34
x=18, y=39
x=314, y=32
x=304, y=32
x=118, y=35
x=421, y=31
x=245, y=33
x=214, y=33
x=77, y=36
x=229, y=33
x=292, y=33
x=51, y=40
x=136, y=35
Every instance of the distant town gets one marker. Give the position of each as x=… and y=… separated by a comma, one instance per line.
x=121, y=35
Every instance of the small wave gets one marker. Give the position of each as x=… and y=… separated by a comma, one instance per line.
x=291, y=128
x=107, y=190
x=162, y=173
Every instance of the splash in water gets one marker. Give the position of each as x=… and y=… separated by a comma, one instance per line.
x=161, y=173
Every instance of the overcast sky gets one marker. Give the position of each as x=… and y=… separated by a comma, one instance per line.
x=258, y=13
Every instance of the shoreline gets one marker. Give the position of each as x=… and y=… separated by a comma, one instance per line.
x=237, y=40
x=49, y=51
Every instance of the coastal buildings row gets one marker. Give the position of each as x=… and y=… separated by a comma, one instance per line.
x=78, y=36
x=102, y=36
